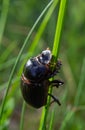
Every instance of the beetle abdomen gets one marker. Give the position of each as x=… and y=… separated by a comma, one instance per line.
x=36, y=96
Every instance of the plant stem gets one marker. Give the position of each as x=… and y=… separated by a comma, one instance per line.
x=58, y=29
x=19, y=55
x=80, y=85
x=4, y=13
x=55, y=53
x=22, y=116
x=52, y=119
x=69, y=115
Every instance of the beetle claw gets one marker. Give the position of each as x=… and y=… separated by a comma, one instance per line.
x=56, y=83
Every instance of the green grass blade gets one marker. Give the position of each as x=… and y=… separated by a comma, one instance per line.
x=39, y=33
x=41, y=29
x=59, y=28
x=7, y=52
x=70, y=113
x=42, y=119
x=3, y=18
x=80, y=85
x=19, y=55
x=22, y=116
x=52, y=119
x=43, y=26
x=11, y=62
x=55, y=53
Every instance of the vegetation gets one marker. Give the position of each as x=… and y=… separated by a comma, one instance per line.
x=27, y=28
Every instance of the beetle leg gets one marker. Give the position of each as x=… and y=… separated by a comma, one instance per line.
x=55, y=99
x=55, y=71
x=57, y=68
x=56, y=83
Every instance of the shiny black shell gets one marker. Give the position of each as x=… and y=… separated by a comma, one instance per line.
x=35, y=79
x=35, y=95
x=34, y=71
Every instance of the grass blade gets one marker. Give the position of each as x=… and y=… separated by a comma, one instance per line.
x=80, y=85
x=70, y=113
x=59, y=28
x=55, y=53
x=22, y=116
x=4, y=13
x=19, y=55
x=52, y=119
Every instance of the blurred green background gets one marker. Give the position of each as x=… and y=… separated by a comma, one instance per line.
x=17, y=18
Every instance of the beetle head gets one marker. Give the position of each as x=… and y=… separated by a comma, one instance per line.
x=45, y=56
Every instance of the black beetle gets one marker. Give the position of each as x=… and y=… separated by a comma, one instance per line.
x=35, y=79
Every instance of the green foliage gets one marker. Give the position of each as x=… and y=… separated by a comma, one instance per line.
x=25, y=32
x=9, y=106
x=55, y=54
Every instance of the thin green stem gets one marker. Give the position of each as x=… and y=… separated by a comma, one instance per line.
x=70, y=113
x=22, y=116
x=42, y=119
x=58, y=33
x=10, y=62
x=52, y=119
x=5, y=7
x=58, y=29
x=43, y=26
x=19, y=55
x=80, y=85
x=55, y=53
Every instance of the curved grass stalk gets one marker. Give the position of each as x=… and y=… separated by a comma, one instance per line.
x=22, y=116
x=42, y=28
x=55, y=53
x=5, y=7
x=19, y=55
x=71, y=113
